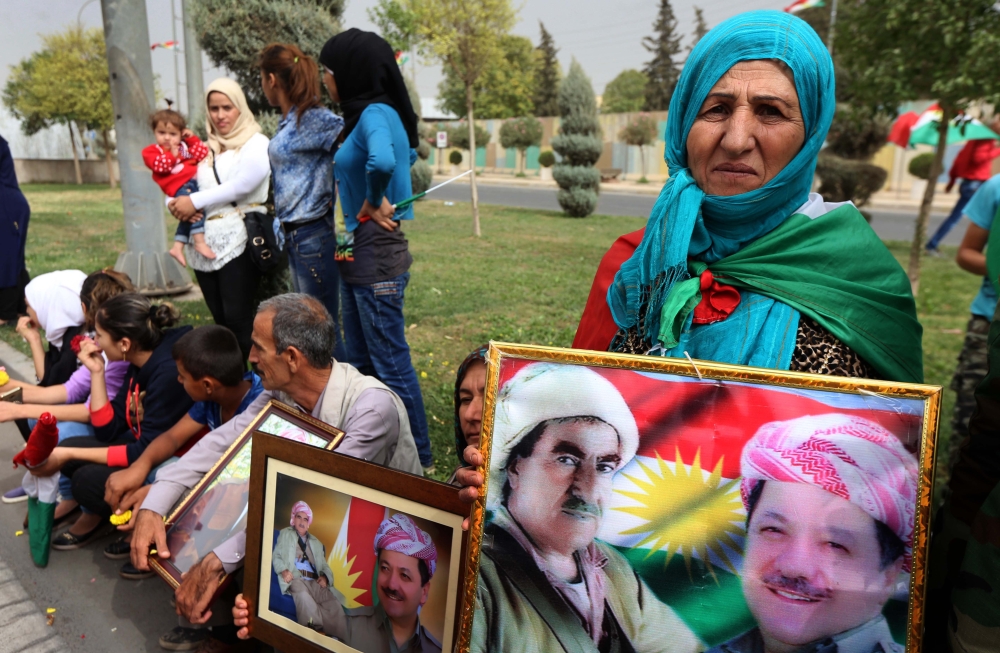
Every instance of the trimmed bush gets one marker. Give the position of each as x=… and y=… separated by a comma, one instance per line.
x=848, y=180
x=455, y=158
x=423, y=150
x=420, y=176
x=578, y=143
x=520, y=134
x=458, y=136
x=920, y=166
x=546, y=158
x=577, y=202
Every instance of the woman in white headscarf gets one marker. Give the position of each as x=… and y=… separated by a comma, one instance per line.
x=53, y=301
x=232, y=181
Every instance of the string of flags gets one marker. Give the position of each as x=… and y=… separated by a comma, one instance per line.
x=166, y=45
x=799, y=5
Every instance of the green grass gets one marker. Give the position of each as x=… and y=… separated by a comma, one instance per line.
x=525, y=280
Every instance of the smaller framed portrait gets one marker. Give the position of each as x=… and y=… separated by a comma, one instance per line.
x=345, y=555
x=216, y=508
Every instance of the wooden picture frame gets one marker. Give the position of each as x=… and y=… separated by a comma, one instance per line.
x=692, y=437
x=283, y=474
x=184, y=520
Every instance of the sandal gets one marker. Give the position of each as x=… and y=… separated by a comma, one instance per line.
x=66, y=541
x=120, y=549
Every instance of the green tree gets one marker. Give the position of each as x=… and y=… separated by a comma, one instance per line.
x=547, y=77
x=232, y=33
x=521, y=133
x=641, y=131
x=397, y=23
x=579, y=144
x=625, y=93
x=458, y=136
x=700, y=27
x=504, y=90
x=899, y=50
x=64, y=83
x=466, y=38
x=662, y=71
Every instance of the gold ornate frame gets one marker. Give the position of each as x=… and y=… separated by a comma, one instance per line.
x=931, y=395
x=333, y=436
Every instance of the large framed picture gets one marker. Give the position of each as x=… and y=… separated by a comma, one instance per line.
x=216, y=508
x=346, y=555
x=652, y=504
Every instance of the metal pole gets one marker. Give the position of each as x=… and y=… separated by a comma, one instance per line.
x=131, y=70
x=177, y=70
x=833, y=23
x=193, y=78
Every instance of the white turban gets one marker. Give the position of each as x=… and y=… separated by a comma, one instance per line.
x=546, y=391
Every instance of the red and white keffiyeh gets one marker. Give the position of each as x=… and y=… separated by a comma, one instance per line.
x=845, y=455
x=303, y=507
x=400, y=534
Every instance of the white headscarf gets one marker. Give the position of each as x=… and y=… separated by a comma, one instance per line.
x=55, y=298
x=245, y=126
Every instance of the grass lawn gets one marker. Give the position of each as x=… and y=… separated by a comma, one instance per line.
x=526, y=280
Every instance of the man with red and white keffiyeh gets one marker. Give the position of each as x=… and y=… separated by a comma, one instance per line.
x=830, y=503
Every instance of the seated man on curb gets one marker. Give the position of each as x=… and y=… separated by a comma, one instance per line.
x=407, y=560
x=293, y=336
x=300, y=561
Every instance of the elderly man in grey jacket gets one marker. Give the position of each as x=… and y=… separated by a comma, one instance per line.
x=293, y=336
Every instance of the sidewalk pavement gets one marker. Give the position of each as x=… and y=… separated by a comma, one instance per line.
x=885, y=200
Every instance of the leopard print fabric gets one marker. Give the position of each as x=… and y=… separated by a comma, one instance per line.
x=817, y=351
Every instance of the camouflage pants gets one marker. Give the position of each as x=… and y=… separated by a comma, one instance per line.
x=971, y=370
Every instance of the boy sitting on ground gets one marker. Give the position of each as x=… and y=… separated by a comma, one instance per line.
x=174, y=161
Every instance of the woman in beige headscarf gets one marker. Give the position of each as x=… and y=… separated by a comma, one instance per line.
x=235, y=172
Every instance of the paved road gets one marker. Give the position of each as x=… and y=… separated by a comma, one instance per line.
x=889, y=224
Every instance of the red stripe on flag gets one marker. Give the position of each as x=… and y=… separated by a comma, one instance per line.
x=362, y=525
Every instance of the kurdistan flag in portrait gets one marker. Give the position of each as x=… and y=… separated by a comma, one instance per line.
x=676, y=512
x=352, y=559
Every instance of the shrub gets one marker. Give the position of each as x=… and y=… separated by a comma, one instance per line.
x=578, y=143
x=520, y=134
x=845, y=180
x=920, y=166
x=458, y=136
x=641, y=131
x=569, y=176
x=857, y=133
x=420, y=176
x=546, y=158
x=455, y=158
x=423, y=150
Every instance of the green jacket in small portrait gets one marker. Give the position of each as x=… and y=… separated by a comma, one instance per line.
x=519, y=611
x=286, y=549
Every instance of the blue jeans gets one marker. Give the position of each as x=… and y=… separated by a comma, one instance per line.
x=376, y=344
x=67, y=430
x=314, y=270
x=966, y=190
x=187, y=229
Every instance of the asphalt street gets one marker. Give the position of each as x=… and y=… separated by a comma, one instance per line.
x=888, y=224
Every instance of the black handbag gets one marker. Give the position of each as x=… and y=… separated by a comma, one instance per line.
x=261, y=239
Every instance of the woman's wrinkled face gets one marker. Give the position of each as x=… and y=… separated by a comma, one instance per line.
x=223, y=112
x=748, y=129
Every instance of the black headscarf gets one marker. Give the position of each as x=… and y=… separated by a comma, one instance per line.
x=366, y=72
x=477, y=355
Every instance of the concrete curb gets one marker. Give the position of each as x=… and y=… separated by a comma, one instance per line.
x=22, y=623
x=18, y=365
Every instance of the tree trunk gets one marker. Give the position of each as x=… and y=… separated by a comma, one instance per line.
x=920, y=232
x=472, y=161
x=76, y=157
x=642, y=161
x=107, y=158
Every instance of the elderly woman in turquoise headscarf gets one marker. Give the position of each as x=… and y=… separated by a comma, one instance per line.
x=739, y=262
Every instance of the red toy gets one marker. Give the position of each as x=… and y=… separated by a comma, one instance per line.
x=44, y=438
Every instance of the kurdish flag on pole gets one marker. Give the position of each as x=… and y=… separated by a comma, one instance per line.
x=799, y=5
x=676, y=513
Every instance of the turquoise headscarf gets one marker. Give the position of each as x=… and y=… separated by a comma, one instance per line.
x=685, y=222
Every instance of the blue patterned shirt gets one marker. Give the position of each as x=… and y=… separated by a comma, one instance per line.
x=301, y=155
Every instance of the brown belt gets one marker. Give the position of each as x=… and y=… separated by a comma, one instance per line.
x=308, y=574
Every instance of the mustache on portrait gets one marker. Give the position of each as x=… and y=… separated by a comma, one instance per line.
x=576, y=504
x=796, y=586
x=392, y=594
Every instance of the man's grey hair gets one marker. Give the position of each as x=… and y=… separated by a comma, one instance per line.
x=301, y=321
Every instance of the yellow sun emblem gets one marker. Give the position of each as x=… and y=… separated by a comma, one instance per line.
x=343, y=579
x=684, y=512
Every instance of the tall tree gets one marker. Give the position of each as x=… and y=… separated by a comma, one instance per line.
x=504, y=90
x=662, y=71
x=521, y=133
x=547, y=77
x=700, y=27
x=397, y=23
x=625, y=93
x=232, y=34
x=579, y=144
x=466, y=37
x=899, y=50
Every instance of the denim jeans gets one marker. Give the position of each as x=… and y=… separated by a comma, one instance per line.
x=314, y=270
x=966, y=190
x=376, y=345
x=67, y=430
x=187, y=229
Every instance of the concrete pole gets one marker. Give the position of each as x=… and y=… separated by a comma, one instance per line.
x=177, y=72
x=193, y=78
x=126, y=36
